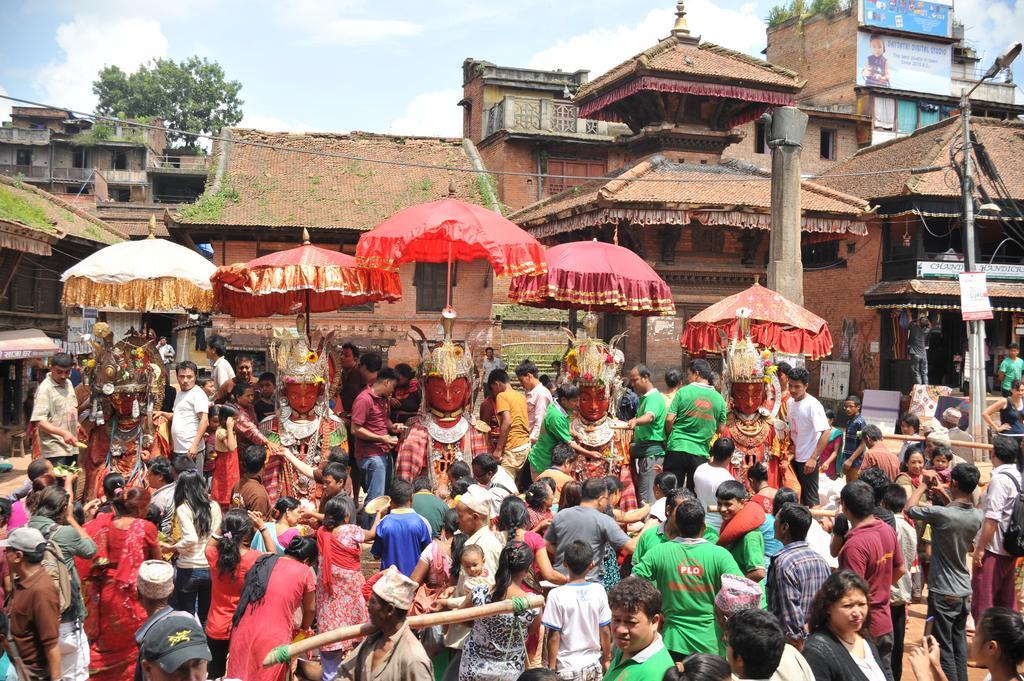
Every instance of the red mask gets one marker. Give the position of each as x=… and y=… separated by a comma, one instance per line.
x=122, y=403
x=447, y=398
x=593, y=403
x=747, y=397
x=302, y=397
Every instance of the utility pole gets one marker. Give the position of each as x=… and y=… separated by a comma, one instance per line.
x=785, y=128
x=976, y=328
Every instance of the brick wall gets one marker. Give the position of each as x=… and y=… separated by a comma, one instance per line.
x=514, y=191
x=472, y=116
x=822, y=50
x=811, y=161
x=837, y=295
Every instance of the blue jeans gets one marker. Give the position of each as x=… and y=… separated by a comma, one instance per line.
x=192, y=587
x=375, y=476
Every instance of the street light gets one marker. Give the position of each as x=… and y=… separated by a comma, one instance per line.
x=976, y=328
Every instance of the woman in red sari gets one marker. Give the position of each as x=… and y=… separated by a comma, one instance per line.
x=124, y=539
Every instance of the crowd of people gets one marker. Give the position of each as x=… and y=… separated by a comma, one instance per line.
x=204, y=570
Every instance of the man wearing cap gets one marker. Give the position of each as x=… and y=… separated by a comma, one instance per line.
x=951, y=420
x=154, y=586
x=35, y=606
x=392, y=653
x=174, y=649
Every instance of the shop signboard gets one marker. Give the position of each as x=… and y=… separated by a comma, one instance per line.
x=927, y=17
x=903, y=64
x=974, y=302
x=927, y=269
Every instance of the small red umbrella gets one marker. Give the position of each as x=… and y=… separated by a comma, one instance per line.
x=448, y=230
x=304, y=279
x=595, y=276
x=776, y=323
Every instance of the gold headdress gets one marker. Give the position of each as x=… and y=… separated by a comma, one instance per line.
x=132, y=365
x=449, y=359
x=296, y=362
x=591, y=361
x=745, y=364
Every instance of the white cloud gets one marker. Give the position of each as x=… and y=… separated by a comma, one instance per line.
x=328, y=23
x=432, y=114
x=90, y=43
x=275, y=124
x=602, y=48
x=990, y=26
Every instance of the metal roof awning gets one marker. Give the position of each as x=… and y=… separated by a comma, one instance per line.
x=939, y=295
x=26, y=344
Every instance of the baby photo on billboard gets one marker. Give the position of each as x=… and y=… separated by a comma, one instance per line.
x=876, y=68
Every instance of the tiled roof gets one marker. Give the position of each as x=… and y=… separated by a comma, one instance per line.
x=40, y=211
x=731, y=186
x=929, y=146
x=704, y=61
x=996, y=288
x=131, y=219
x=262, y=187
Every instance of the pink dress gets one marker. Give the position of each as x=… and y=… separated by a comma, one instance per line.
x=269, y=623
x=340, y=603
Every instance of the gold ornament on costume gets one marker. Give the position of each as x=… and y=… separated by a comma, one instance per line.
x=296, y=361
x=591, y=361
x=132, y=365
x=448, y=360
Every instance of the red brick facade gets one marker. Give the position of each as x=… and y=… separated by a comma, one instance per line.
x=823, y=50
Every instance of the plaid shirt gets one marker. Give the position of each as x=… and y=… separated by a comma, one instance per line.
x=797, y=573
x=416, y=444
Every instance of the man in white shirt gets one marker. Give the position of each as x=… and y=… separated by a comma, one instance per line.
x=992, y=581
x=710, y=475
x=223, y=373
x=490, y=364
x=191, y=412
x=495, y=479
x=165, y=349
x=810, y=431
x=537, y=396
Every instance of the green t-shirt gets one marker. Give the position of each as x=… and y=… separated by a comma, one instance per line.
x=553, y=429
x=651, y=403
x=653, y=668
x=431, y=508
x=1011, y=370
x=688, y=573
x=748, y=553
x=699, y=411
x=655, y=536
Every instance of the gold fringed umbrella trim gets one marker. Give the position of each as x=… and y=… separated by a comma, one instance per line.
x=139, y=295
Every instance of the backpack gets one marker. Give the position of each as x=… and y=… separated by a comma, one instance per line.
x=54, y=565
x=1013, y=535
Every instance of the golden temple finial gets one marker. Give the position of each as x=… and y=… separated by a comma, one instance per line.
x=152, y=227
x=305, y=236
x=681, y=30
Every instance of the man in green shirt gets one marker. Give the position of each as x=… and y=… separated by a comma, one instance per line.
x=697, y=412
x=1010, y=368
x=428, y=505
x=640, y=653
x=648, y=449
x=656, y=535
x=748, y=550
x=554, y=428
x=688, y=572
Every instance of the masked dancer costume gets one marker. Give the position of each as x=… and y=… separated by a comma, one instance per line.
x=444, y=432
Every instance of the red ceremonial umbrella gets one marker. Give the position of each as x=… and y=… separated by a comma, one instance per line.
x=775, y=323
x=448, y=230
x=304, y=279
x=595, y=276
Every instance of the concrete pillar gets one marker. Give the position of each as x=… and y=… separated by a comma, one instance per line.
x=785, y=129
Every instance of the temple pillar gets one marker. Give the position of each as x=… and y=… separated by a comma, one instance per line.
x=785, y=129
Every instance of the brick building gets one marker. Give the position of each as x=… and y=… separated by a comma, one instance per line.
x=909, y=260
x=259, y=201
x=701, y=219
x=898, y=68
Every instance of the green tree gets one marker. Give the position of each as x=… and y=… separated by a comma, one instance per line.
x=191, y=95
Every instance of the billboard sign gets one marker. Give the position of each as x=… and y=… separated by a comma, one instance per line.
x=903, y=64
x=934, y=18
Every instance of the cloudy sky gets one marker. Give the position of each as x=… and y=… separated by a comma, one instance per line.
x=385, y=66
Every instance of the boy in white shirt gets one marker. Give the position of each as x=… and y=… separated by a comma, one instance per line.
x=578, y=621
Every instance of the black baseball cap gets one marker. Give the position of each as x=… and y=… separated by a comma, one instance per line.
x=173, y=641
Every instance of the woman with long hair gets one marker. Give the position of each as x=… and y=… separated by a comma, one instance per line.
x=572, y=493
x=513, y=521
x=230, y=559
x=196, y=517
x=540, y=497
x=339, y=592
x=113, y=485
x=275, y=587
x=764, y=493
x=275, y=536
x=836, y=650
x=224, y=456
x=124, y=540
x=496, y=647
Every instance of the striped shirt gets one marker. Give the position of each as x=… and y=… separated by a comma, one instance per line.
x=797, y=573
